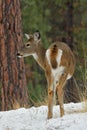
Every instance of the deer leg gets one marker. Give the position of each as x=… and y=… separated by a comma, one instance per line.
x=50, y=103
x=60, y=92
x=50, y=95
x=60, y=99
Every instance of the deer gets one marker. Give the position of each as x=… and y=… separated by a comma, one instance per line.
x=58, y=62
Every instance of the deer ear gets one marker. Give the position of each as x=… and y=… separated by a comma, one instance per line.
x=36, y=35
x=27, y=36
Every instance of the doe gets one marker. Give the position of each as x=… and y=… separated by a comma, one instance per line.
x=57, y=61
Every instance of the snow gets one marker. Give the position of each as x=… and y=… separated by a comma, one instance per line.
x=35, y=118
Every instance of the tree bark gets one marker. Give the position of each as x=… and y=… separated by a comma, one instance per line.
x=12, y=72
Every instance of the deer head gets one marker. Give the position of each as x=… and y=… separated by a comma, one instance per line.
x=31, y=45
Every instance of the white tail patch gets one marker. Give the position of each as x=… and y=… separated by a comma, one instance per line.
x=58, y=72
x=58, y=58
x=59, y=55
x=48, y=56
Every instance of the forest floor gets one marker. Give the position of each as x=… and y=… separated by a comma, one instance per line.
x=35, y=118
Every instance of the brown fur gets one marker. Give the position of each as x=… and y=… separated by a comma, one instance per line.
x=67, y=61
x=53, y=55
x=50, y=98
x=68, y=58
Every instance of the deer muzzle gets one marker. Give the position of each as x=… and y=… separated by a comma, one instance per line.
x=19, y=55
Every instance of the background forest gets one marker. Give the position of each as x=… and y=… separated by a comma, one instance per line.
x=63, y=20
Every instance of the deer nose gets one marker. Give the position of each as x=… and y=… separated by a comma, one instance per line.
x=19, y=55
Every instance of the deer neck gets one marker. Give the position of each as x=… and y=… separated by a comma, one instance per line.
x=39, y=56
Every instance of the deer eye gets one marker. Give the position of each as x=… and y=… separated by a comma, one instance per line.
x=28, y=45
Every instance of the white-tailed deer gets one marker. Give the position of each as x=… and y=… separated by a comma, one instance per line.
x=58, y=63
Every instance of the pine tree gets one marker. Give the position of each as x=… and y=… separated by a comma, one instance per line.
x=12, y=73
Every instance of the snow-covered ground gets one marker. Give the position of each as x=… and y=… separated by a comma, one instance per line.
x=36, y=118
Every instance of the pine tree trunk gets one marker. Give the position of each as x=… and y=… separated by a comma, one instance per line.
x=12, y=73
